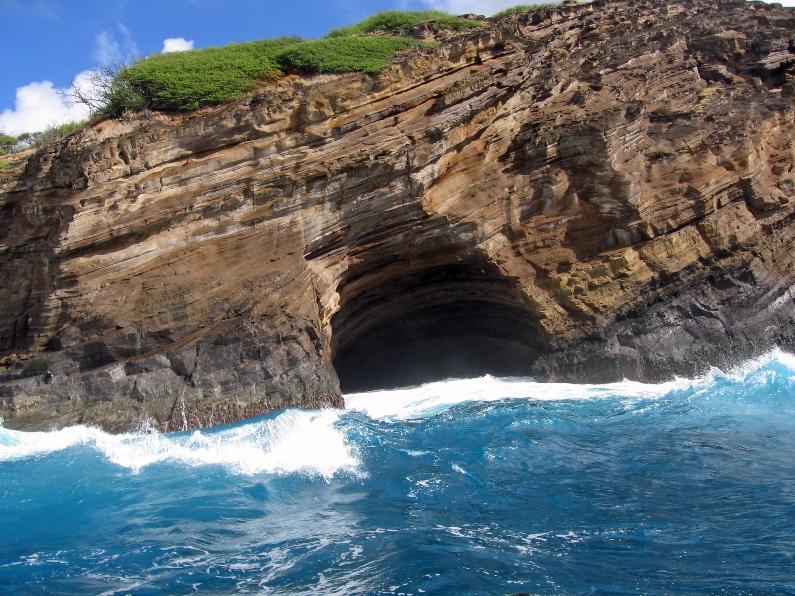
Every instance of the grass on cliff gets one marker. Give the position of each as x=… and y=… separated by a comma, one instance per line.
x=52, y=134
x=399, y=22
x=343, y=54
x=524, y=8
x=186, y=81
x=7, y=143
x=194, y=79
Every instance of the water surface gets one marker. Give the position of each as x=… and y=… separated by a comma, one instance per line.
x=468, y=486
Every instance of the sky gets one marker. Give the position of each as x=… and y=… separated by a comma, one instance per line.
x=51, y=45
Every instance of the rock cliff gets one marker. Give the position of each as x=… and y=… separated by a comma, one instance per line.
x=582, y=193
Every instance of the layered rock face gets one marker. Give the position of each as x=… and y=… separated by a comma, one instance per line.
x=583, y=193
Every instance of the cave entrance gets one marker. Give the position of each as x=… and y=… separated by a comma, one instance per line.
x=443, y=321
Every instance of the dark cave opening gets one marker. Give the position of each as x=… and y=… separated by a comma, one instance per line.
x=450, y=321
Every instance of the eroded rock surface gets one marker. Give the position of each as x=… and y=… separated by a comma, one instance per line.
x=584, y=193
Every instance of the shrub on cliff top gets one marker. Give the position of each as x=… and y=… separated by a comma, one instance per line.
x=194, y=79
x=53, y=134
x=523, y=8
x=342, y=54
x=7, y=143
x=401, y=21
x=185, y=81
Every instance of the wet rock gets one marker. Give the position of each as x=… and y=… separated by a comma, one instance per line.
x=586, y=193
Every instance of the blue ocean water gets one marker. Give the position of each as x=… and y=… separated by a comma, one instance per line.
x=469, y=486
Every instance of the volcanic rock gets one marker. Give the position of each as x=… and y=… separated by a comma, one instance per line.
x=583, y=193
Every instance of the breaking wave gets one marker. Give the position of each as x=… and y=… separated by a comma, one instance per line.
x=432, y=398
x=294, y=441
x=314, y=443
x=489, y=485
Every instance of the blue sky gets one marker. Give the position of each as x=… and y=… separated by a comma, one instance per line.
x=48, y=43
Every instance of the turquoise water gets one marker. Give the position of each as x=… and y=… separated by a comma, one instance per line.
x=470, y=486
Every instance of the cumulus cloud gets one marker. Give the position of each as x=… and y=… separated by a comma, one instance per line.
x=177, y=44
x=41, y=104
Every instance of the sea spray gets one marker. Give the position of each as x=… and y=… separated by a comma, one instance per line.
x=293, y=441
x=484, y=486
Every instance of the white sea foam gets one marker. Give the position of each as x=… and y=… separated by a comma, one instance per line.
x=432, y=398
x=310, y=442
x=776, y=357
x=305, y=442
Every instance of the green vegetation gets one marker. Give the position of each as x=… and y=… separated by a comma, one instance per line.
x=186, y=81
x=343, y=54
x=513, y=10
x=399, y=22
x=7, y=143
x=53, y=134
x=523, y=8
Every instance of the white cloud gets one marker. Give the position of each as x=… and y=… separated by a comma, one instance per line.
x=108, y=50
x=177, y=44
x=40, y=104
x=130, y=47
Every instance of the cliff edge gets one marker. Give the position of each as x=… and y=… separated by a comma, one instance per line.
x=581, y=193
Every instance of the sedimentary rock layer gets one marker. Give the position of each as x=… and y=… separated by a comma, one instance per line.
x=582, y=193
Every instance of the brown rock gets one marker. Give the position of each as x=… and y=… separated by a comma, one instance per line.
x=581, y=193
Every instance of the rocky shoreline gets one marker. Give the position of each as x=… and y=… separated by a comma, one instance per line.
x=583, y=193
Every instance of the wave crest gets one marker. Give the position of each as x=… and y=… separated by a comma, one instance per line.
x=295, y=441
x=432, y=398
x=312, y=443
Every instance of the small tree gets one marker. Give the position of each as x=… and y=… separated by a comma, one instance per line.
x=8, y=143
x=104, y=91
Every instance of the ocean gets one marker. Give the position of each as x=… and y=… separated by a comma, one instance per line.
x=467, y=486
